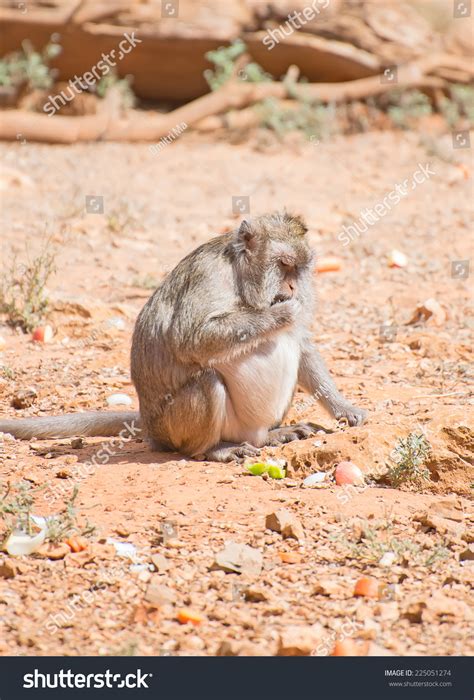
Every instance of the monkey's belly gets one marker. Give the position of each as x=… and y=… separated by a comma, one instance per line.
x=260, y=387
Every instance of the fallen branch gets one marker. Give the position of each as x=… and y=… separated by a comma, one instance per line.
x=233, y=95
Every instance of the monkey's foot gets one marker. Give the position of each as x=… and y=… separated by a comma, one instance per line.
x=288, y=433
x=350, y=414
x=228, y=452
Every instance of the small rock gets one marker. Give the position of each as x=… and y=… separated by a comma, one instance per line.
x=285, y=522
x=299, y=640
x=119, y=400
x=316, y=478
x=8, y=569
x=440, y=605
x=388, y=559
x=122, y=530
x=54, y=551
x=77, y=443
x=157, y=594
x=160, y=563
x=254, y=594
x=228, y=648
x=24, y=398
x=429, y=310
x=239, y=558
x=331, y=588
x=467, y=554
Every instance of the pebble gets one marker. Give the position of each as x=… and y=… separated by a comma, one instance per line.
x=316, y=478
x=119, y=400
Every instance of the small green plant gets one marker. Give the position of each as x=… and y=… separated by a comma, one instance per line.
x=458, y=105
x=224, y=59
x=406, y=106
x=28, y=67
x=121, y=85
x=63, y=525
x=16, y=502
x=7, y=372
x=22, y=289
x=314, y=119
x=409, y=456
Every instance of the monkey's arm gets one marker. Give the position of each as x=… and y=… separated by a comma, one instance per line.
x=314, y=377
x=233, y=332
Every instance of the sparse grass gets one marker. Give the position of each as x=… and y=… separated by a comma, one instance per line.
x=22, y=289
x=16, y=504
x=64, y=524
x=406, y=106
x=409, y=456
x=7, y=372
x=367, y=542
x=314, y=119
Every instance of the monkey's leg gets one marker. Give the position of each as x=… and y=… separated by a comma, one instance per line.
x=298, y=431
x=313, y=376
x=191, y=421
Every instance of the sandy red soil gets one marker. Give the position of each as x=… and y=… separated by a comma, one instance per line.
x=156, y=209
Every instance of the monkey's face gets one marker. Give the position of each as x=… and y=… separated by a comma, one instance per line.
x=276, y=260
x=288, y=268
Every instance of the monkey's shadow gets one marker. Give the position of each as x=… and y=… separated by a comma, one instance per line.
x=133, y=452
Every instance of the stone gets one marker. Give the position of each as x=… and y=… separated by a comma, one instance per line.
x=239, y=558
x=158, y=594
x=24, y=398
x=286, y=523
x=299, y=640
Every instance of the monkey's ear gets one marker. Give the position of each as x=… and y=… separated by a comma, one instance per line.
x=247, y=235
x=297, y=224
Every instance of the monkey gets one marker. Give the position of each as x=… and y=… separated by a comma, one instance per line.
x=219, y=349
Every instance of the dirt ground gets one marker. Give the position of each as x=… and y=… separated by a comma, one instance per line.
x=157, y=207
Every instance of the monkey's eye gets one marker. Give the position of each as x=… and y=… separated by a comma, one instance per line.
x=287, y=265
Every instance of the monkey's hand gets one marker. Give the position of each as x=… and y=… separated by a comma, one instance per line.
x=346, y=412
x=285, y=313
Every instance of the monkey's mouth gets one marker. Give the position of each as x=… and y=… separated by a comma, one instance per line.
x=280, y=298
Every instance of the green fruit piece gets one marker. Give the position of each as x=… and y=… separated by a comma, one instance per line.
x=275, y=472
x=258, y=469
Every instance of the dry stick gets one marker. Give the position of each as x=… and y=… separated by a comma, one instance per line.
x=233, y=95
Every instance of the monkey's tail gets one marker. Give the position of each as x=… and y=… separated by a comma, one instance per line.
x=89, y=424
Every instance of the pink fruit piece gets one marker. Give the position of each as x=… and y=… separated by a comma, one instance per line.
x=348, y=473
x=43, y=334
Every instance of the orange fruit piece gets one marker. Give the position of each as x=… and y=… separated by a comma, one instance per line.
x=76, y=544
x=328, y=264
x=186, y=615
x=367, y=587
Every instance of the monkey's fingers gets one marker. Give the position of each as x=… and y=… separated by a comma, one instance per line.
x=226, y=452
